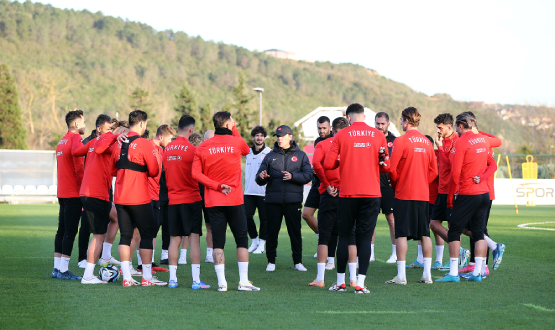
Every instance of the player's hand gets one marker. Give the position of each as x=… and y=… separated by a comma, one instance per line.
x=286, y=175
x=122, y=137
x=383, y=156
x=225, y=189
x=476, y=179
x=263, y=175
x=439, y=141
x=332, y=191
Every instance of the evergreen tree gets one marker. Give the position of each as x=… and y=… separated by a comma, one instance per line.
x=12, y=132
x=186, y=104
x=242, y=114
x=140, y=100
x=205, y=123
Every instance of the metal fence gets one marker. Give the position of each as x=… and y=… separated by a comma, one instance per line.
x=545, y=165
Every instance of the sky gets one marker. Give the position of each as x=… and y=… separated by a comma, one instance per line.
x=491, y=51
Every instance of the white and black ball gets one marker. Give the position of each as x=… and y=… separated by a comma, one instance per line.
x=109, y=273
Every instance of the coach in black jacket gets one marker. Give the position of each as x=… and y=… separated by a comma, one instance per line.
x=284, y=171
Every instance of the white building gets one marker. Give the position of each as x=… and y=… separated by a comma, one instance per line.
x=309, y=122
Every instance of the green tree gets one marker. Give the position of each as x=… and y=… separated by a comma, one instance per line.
x=242, y=113
x=12, y=132
x=205, y=123
x=185, y=104
x=140, y=100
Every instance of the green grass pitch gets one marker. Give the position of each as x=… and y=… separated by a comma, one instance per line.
x=521, y=294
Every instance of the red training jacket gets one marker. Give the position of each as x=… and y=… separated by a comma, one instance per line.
x=154, y=183
x=327, y=177
x=178, y=163
x=445, y=163
x=435, y=184
x=70, y=169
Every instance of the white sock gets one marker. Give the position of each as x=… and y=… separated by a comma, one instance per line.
x=439, y=253
x=64, y=264
x=352, y=271
x=420, y=257
x=164, y=254
x=152, y=255
x=125, y=268
x=491, y=244
x=401, y=266
x=106, y=251
x=256, y=240
x=393, y=249
x=208, y=251
x=478, y=266
x=484, y=265
x=427, y=267
x=317, y=235
x=371, y=251
x=195, y=270
x=173, y=273
x=139, y=260
x=57, y=261
x=130, y=266
x=360, y=280
x=89, y=270
x=220, y=272
x=321, y=266
x=331, y=260
x=454, y=266
x=243, y=272
x=340, y=278
x=147, y=272
x=183, y=254
x=261, y=243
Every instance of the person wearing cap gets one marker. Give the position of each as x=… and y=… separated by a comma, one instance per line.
x=284, y=171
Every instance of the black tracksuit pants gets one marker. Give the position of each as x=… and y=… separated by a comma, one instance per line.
x=252, y=203
x=274, y=215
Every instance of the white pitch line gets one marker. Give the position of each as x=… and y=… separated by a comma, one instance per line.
x=525, y=225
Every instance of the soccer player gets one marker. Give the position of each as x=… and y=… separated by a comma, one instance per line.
x=217, y=165
x=285, y=171
x=327, y=215
x=445, y=141
x=313, y=199
x=254, y=194
x=185, y=206
x=388, y=196
x=70, y=174
x=469, y=159
x=413, y=168
x=209, y=243
x=360, y=189
x=135, y=162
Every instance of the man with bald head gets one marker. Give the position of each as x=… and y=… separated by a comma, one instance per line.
x=208, y=134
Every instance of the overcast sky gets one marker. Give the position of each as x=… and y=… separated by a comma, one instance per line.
x=492, y=51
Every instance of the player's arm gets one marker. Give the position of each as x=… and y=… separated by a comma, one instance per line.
x=200, y=176
x=493, y=141
x=105, y=144
x=305, y=175
x=263, y=168
x=78, y=149
x=78, y=166
x=384, y=157
x=456, y=168
x=492, y=167
x=396, y=156
x=151, y=161
x=330, y=161
x=317, y=160
x=433, y=170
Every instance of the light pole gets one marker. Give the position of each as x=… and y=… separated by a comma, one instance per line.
x=260, y=90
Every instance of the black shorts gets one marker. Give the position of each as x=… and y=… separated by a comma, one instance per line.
x=313, y=198
x=411, y=219
x=469, y=211
x=235, y=216
x=206, y=216
x=441, y=212
x=359, y=212
x=185, y=219
x=327, y=220
x=430, y=211
x=97, y=213
x=388, y=200
x=156, y=211
x=141, y=217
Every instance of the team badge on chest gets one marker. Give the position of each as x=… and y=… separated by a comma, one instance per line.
x=294, y=159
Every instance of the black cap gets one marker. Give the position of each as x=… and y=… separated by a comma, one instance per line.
x=283, y=130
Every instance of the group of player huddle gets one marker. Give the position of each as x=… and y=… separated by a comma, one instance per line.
x=356, y=171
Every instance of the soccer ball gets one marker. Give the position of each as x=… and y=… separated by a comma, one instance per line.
x=109, y=273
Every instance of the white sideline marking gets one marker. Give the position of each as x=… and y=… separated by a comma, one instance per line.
x=540, y=308
x=375, y=312
x=525, y=225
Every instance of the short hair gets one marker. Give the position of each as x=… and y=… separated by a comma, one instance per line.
x=119, y=123
x=466, y=120
x=195, y=139
x=102, y=119
x=340, y=123
x=473, y=116
x=323, y=119
x=354, y=108
x=411, y=115
x=146, y=134
x=165, y=130
x=72, y=115
x=259, y=129
x=220, y=118
x=430, y=138
x=185, y=121
x=137, y=116
x=444, y=118
x=382, y=114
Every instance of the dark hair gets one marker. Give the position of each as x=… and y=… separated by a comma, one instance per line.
x=466, y=120
x=185, y=121
x=195, y=139
x=259, y=129
x=382, y=114
x=323, y=119
x=137, y=116
x=146, y=134
x=473, y=117
x=103, y=119
x=444, y=118
x=165, y=130
x=220, y=118
x=430, y=138
x=411, y=115
x=339, y=123
x=354, y=108
x=119, y=123
x=72, y=116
